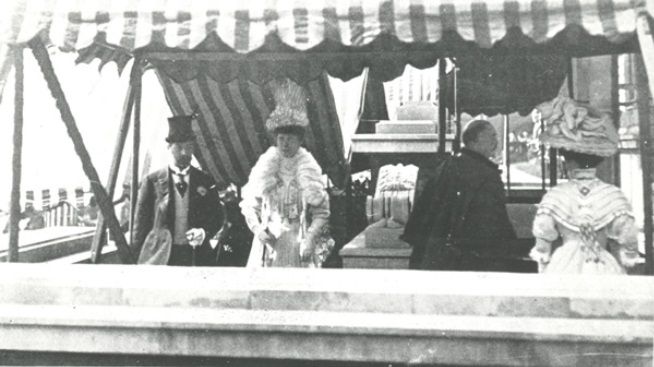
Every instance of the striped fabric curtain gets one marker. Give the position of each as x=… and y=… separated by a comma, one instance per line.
x=230, y=130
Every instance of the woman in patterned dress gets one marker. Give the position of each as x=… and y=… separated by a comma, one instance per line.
x=284, y=202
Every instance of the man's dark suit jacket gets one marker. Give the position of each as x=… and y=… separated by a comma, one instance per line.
x=463, y=205
x=205, y=211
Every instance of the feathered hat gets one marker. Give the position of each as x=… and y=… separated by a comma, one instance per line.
x=578, y=128
x=290, y=105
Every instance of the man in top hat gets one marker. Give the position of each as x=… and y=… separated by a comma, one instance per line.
x=178, y=208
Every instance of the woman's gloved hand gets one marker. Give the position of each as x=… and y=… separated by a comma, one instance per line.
x=266, y=237
x=307, y=248
x=628, y=258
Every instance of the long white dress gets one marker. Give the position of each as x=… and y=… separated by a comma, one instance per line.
x=287, y=196
x=595, y=223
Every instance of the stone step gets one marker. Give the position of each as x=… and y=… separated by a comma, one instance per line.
x=332, y=290
x=409, y=317
x=315, y=335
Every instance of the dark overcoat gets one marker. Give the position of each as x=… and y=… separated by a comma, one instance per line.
x=155, y=213
x=460, y=221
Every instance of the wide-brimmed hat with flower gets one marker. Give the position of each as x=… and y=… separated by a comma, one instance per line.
x=290, y=105
x=577, y=127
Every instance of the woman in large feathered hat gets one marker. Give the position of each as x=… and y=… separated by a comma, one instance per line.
x=593, y=219
x=284, y=202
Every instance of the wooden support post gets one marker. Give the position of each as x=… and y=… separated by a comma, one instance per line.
x=645, y=145
x=644, y=25
x=442, y=98
x=645, y=73
x=14, y=216
x=100, y=229
x=349, y=218
x=570, y=79
x=616, y=113
x=136, y=142
x=456, y=146
x=543, y=166
x=507, y=153
x=104, y=201
x=554, y=168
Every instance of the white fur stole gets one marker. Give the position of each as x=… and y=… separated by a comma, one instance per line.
x=264, y=177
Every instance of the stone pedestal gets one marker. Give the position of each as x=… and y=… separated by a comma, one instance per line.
x=406, y=127
x=356, y=255
x=398, y=143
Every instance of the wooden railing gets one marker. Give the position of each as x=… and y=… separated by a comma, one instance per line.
x=63, y=214
x=66, y=214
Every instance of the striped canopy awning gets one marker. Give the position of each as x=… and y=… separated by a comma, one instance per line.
x=244, y=25
x=304, y=25
x=233, y=109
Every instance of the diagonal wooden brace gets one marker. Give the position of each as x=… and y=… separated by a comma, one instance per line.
x=99, y=237
x=104, y=201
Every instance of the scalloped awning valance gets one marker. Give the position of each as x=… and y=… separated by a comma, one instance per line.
x=302, y=25
x=341, y=37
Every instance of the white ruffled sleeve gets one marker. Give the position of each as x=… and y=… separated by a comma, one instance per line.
x=251, y=209
x=545, y=227
x=545, y=232
x=319, y=215
x=623, y=231
x=262, y=178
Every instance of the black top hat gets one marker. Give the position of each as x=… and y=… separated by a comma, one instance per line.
x=179, y=129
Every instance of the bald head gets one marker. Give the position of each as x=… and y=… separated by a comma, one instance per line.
x=480, y=136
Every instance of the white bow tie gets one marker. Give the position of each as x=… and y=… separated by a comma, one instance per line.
x=179, y=172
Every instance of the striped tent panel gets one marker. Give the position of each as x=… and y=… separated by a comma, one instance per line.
x=244, y=25
x=230, y=130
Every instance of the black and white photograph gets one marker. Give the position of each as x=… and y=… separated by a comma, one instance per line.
x=330, y=183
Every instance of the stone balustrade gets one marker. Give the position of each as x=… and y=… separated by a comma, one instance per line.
x=327, y=315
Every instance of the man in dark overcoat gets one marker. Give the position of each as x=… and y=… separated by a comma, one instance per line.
x=460, y=221
x=178, y=208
